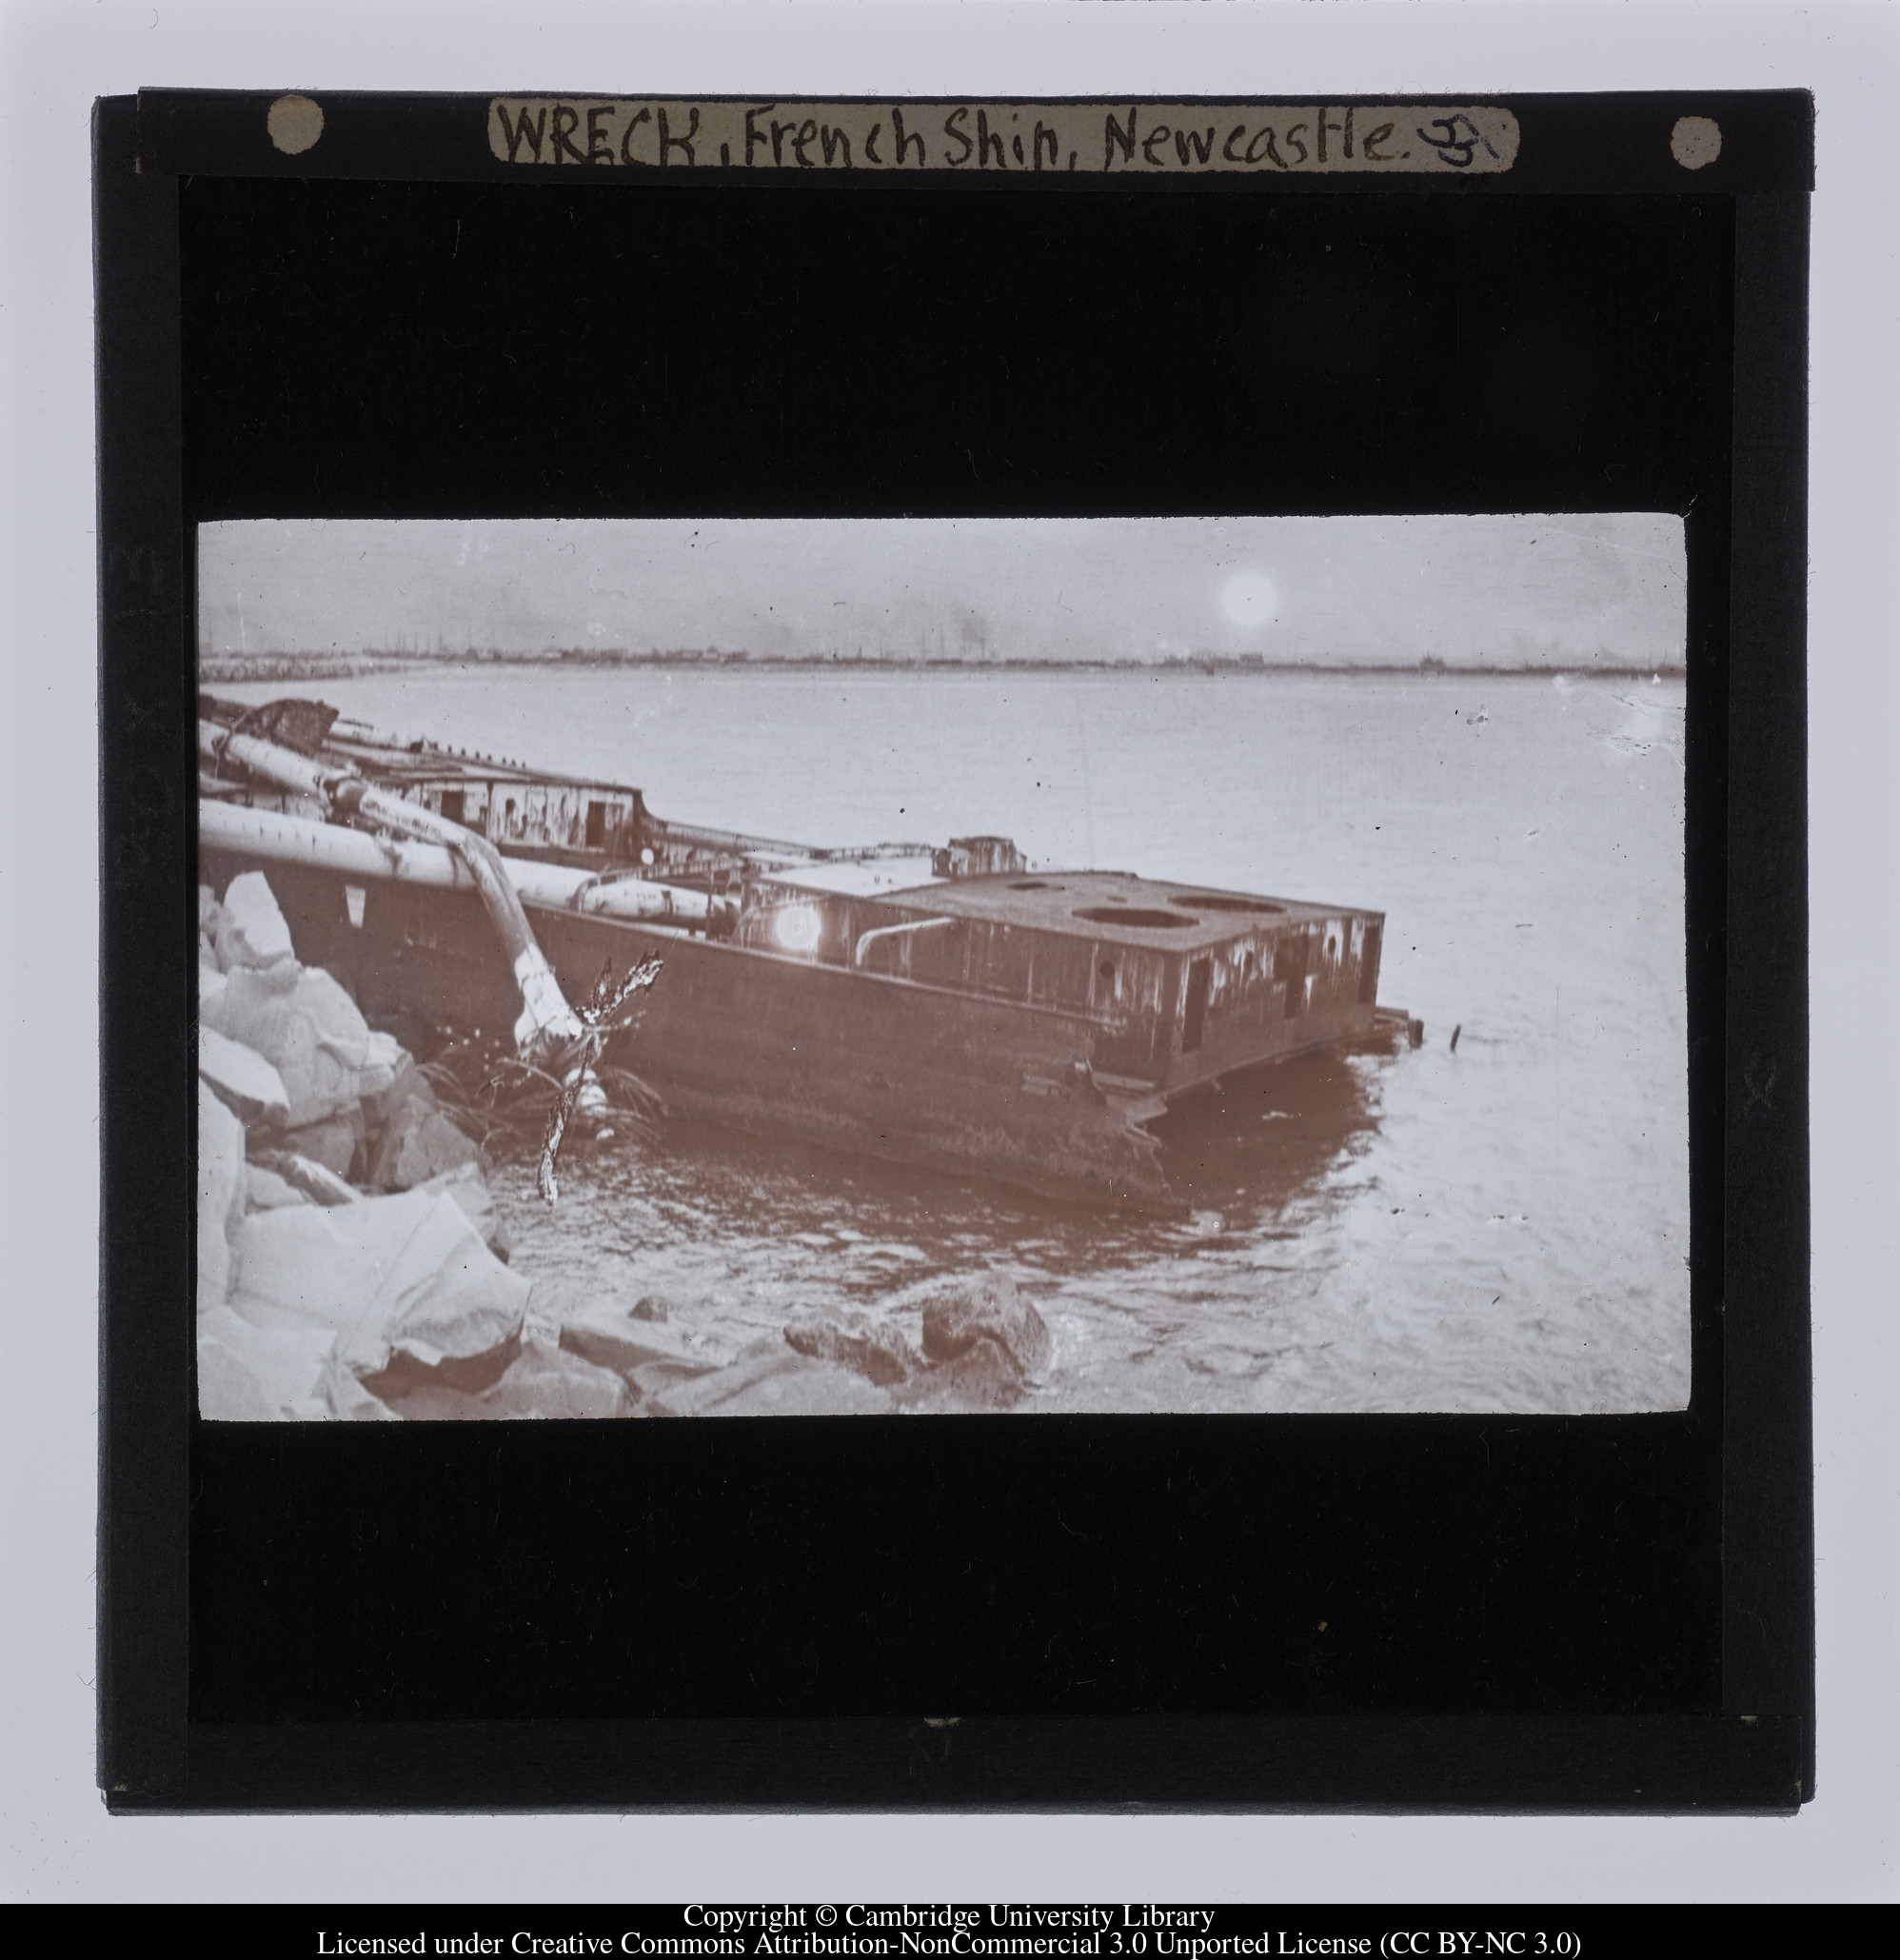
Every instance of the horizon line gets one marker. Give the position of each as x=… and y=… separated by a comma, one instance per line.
x=716, y=658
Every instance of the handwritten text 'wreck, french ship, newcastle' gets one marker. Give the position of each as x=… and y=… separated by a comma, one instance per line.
x=1137, y=138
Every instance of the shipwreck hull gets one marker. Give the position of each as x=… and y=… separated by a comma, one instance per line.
x=939, y=1005
x=856, y=1061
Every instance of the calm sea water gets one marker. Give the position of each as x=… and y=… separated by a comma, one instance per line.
x=1500, y=1227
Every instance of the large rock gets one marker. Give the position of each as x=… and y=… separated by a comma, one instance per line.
x=874, y=1349
x=336, y=1142
x=317, y=1183
x=535, y=1378
x=245, y=1082
x=406, y=1274
x=251, y=931
x=209, y=915
x=346, y=1399
x=769, y=1378
x=656, y=1381
x=228, y=1390
x=549, y=1380
x=469, y=1189
x=305, y=1025
x=265, y=1191
x=406, y=1083
x=384, y=1058
x=222, y=1190
x=626, y=1341
x=469, y=1377
x=418, y=1144
x=251, y=1374
x=983, y=1376
x=984, y=1328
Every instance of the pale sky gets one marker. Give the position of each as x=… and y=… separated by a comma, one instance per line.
x=1562, y=591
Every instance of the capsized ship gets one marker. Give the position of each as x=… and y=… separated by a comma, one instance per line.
x=941, y=1005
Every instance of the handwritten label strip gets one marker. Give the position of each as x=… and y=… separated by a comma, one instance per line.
x=1100, y=138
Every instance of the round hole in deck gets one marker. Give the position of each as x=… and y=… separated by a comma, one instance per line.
x=1034, y=885
x=1106, y=969
x=1220, y=902
x=1137, y=915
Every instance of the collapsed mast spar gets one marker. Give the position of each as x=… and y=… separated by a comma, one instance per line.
x=546, y=1023
x=548, y=1030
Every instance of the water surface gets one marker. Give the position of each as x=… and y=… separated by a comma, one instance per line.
x=1500, y=1227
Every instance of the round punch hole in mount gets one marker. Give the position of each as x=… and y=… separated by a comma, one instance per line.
x=1695, y=141
x=296, y=123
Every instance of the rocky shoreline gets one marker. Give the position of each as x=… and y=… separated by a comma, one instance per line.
x=353, y=1265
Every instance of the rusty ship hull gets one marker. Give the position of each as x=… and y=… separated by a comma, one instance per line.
x=944, y=1007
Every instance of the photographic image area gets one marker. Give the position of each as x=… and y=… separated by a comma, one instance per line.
x=747, y=967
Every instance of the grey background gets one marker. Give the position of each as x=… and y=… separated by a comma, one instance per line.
x=56, y=1842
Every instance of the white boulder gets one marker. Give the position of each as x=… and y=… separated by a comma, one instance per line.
x=335, y=1143
x=267, y=1192
x=244, y=1082
x=305, y=1025
x=251, y=1374
x=222, y=1190
x=407, y=1273
x=316, y=1182
x=469, y=1189
x=251, y=930
x=383, y=1061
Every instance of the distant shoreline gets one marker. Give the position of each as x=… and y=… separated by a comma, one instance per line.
x=294, y=666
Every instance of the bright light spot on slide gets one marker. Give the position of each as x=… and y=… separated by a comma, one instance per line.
x=1248, y=599
x=796, y=928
